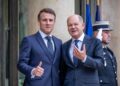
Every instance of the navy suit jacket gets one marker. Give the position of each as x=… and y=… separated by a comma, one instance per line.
x=108, y=74
x=85, y=74
x=32, y=51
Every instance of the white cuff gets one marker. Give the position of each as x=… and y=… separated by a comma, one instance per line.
x=84, y=59
x=32, y=75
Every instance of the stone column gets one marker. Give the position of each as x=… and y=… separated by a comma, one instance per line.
x=111, y=11
x=13, y=26
x=63, y=9
x=1, y=45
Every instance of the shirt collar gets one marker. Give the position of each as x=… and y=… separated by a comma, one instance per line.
x=43, y=34
x=104, y=46
x=80, y=38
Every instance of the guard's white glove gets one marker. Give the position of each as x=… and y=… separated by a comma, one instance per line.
x=99, y=35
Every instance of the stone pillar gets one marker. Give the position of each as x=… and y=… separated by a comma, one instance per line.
x=1, y=45
x=63, y=9
x=110, y=11
x=13, y=26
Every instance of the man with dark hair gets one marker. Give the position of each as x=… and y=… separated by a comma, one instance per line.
x=108, y=73
x=46, y=10
x=40, y=53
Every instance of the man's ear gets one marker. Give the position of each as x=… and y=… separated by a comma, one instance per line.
x=83, y=25
x=95, y=33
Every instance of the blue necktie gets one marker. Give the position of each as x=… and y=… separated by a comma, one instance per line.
x=50, y=45
x=75, y=59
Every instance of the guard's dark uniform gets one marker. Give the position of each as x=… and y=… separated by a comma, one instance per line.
x=108, y=75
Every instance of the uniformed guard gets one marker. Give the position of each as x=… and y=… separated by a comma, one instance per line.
x=107, y=74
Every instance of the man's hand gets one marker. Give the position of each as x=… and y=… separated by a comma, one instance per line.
x=38, y=71
x=80, y=54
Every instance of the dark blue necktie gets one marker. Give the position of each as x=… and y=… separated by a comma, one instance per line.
x=50, y=45
x=75, y=59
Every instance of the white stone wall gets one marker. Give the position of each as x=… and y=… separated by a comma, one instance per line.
x=111, y=11
x=63, y=9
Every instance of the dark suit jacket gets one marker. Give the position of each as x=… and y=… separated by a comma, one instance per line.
x=108, y=73
x=32, y=51
x=85, y=74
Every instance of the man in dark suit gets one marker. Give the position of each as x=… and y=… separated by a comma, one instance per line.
x=40, y=53
x=82, y=56
x=107, y=74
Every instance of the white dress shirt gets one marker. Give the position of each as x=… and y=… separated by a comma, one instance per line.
x=45, y=40
x=79, y=46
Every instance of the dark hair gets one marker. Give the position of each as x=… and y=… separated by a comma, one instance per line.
x=46, y=10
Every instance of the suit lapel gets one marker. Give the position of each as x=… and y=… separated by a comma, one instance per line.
x=42, y=44
x=56, y=48
x=68, y=54
x=86, y=42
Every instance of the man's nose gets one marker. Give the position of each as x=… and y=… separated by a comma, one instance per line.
x=73, y=26
x=47, y=21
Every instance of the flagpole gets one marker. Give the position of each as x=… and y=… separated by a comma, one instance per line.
x=99, y=35
x=98, y=2
x=88, y=29
x=98, y=10
x=87, y=1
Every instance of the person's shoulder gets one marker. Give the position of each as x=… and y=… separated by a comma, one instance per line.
x=110, y=49
x=67, y=42
x=58, y=39
x=92, y=39
x=29, y=37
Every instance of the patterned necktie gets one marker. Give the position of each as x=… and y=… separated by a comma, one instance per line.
x=75, y=59
x=50, y=45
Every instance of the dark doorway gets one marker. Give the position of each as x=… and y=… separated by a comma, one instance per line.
x=8, y=42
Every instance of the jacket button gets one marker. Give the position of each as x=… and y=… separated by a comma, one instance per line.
x=113, y=66
x=101, y=81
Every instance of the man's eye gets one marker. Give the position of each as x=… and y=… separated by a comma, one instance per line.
x=51, y=20
x=44, y=19
x=75, y=24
